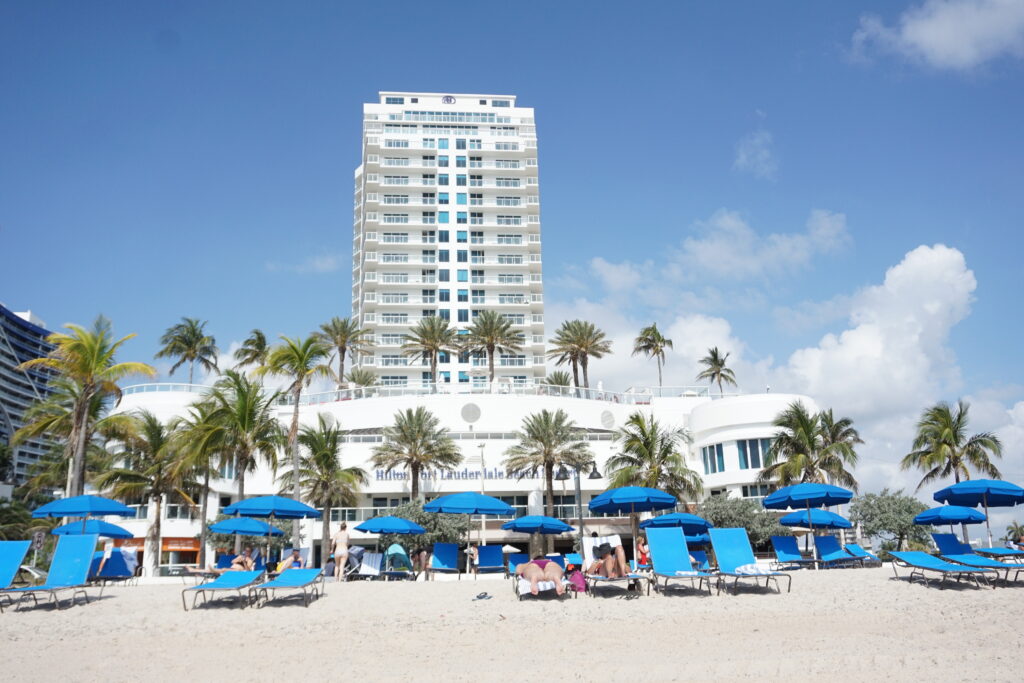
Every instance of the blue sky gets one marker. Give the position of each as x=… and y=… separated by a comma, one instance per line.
x=160, y=160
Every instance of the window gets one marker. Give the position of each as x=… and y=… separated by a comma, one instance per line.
x=428, y=256
x=396, y=218
x=442, y=197
x=463, y=315
x=429, y=217
x=506, y=182
x=396, y=180
x=443, y=255
x=442, y=179
x=394, y=100
x=442, y=217
x=460, y=162
x=429, y=143
x=460, y=198
x=752, y=452
x=714, y=458
x=484, y=102
x=442, y=143
x=460, y=180
x=428, y=160
x=460, y=143
x=476, y=162
x=444, y=295
x=476, y=144
x=463, y=295
x=463, y=275
x=444, y=357
x=755, y=491
x=428, y=296
x=476, y=181
x=393, y=381
x=478, y=296
x=428, y=313
x=446, y=376
x=444, y=275
x=463, y=377
x=476, y=199
x=476, y=236
x=477, y=218
x=445, y=314
x=510, y=220
x=460, y=236
x=442, y=161
x=460, y=217
x=501, y=103
x=396, y=199
x=426, y=179
x=462, y=256
x=429, y=198
x=478, y=276
x=478, y=256
x=396, y=143
x=442, y=236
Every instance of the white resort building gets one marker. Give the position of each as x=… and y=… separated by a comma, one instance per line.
x=447, y=223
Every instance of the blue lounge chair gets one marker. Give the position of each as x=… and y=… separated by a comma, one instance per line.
x=309, y=581
x=700, y=560
x=114, y=569
x=863, y=555
x=831, y=554
x=69, y=571
x=557, y=559
x=736, y=560
x=445, y=559
x=670, y=559
x=919, y=563
x=224, y=561
x=787, y=554
x=489, y=560
x=12, y=554
x=514, y=560
x=574, y=559
x=952, y=550
x=1007, y=554
x=230, y=581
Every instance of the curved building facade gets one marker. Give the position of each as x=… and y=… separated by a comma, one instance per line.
x=729, y=435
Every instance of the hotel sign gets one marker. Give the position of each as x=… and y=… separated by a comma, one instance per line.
x=441, y=475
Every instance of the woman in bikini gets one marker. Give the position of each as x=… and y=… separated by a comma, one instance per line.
x=541, y=569
x=609, y=562
x=340, y=540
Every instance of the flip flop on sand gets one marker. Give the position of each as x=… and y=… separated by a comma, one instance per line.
x=482, y=596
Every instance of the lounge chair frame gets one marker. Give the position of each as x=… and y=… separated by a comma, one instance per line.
x=208, y=592
x=794, y=563
x=431, y=569
x=724, y=576
x=655, y=540
x=52, y=592
x=261, y=594
x=968, y=574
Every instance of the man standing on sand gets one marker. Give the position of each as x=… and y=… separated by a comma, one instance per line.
x=340, y=541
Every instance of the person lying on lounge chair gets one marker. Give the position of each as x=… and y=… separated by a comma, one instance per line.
x=609, y=562
x=541, y=569
x=294, y=561
x=241, y=563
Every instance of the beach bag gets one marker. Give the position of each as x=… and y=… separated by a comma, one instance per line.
x=578, y=584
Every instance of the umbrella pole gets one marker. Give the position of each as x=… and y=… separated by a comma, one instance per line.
x=988, y=524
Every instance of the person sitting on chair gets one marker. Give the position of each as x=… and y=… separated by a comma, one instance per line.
x=295, y=561
x=609, y=562
x=240, y=563
x=541, y=569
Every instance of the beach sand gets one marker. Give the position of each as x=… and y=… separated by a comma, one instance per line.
x=849, y=624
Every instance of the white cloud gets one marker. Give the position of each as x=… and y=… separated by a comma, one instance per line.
x=754, y=155
x=728, y=247
x=959, y=35
x=321, y=263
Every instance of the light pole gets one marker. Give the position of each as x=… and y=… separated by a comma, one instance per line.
x=483, y=488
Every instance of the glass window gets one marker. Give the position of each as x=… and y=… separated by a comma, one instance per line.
x=460, y=162
x=442, y=216
x=463, y=377
x=462, y=256
x=461, y=218
x=443, y=255
x=444, y=295
x=442, y=143
x=463, y=275
x=394, y=100
x=429, y=143
x=463, y=295
x=442, y=179
x=442, y=235
x=714, y=458
x=444, y=275
x=460, y=180
x=463, y=315
x=460, y=143
x=442, y=197
x=460, y=198
x=442, y=161
x=445, y=314
x=501, y=103
x=460, y=236
x=446, y=376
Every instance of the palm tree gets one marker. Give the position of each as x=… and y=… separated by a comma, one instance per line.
x=148, y=471
x=942, y=447
x=428, y=339
x=575, y=342
x=325, y=482
x=87, y=360
x=491, y=333
x=301, y=361
x=188, y=342
x=1014, y=531
x=361, y=377
x=652, y=344
x=243, y=426
x=715, y=369
x=558, y=378
x=811, y=448
x=547, y=440
x=346, y=337
x=416, y=442
x=202, y=448
x=253, y=350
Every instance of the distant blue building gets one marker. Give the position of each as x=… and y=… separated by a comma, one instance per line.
x=22, y=337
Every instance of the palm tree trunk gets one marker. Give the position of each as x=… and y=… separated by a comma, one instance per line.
x=433, y=370
x=325, y=536
x=341, y=369
x=191, y=370
x=490, y=362
x=240, y=473
x=414, y=485
x=203, y=511
x=80, y=430
x=549, y=484
x=659, y=372
x=153, y=552
x=293, y=448
x=584, y=361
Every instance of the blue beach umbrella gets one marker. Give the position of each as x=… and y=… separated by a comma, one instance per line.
x=632, y=499
x=92, y=526
x=83, y=506
x=245, y=526
x=390, y=525
x=470, y=503
x=277, y=507
x=807, y=495
x=950, y=514
x=690, y=524
x=697, y=539
x=815, y=519
x=537, y=524
x=985, y=492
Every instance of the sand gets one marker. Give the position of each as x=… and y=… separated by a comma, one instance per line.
x=837, y=625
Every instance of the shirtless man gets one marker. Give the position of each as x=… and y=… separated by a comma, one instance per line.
x=340, y=541
x=541, y=569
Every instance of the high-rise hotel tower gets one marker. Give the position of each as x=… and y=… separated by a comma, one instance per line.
x=447, y=223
